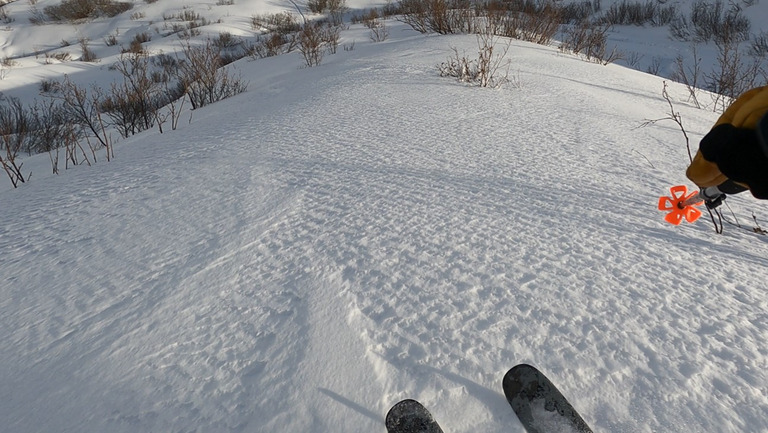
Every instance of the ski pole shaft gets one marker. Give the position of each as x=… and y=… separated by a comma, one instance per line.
x=698, y=198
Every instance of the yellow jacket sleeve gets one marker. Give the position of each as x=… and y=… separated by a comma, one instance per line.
x=744, y=112
x=747, y=109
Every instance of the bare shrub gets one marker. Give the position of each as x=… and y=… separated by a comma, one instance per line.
x=136, y=46
x=72, y=10
x=733, y=74
x=655, y=66
x=415, y=13
x=438, y=16
x=203, y=79
x=273, y=45
x=4, y=17
x=689, y=75
x=61, y=56
x=665, y=16
x=591, y=42
x=142, y=37
x=390, y=9
x=633, y=59
x=367, y=19
x=576, y=12
x=637, y=13
x=36, y=16
x=175, y=98
x=459, y=67
x=331, y=35
x=174, y=95
x=336, y=10
x=490, y=69
x=111, y=8
x=231, y=48
x=493, y=67
x=379, y=30
x=40, y=128
x=538, y=25
x=283, y=23
x=50, y=127
x=226, y=40
x=132, y=104
x=188, y=23
x=711, y=21
x=759, y=45
x=189, y=15
x=82, y=110
x=50, y=131
x=310, y=44
x=14, y=128
x=111, y=40
x=680, y=29
x=529, y=20
x=317, y=6
x=87, y=54
x=48, y=86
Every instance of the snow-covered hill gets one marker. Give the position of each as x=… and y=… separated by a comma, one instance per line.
x=301, y=256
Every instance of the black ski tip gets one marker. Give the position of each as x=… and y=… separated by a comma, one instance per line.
x=514, y=379
x=535, y=400
x=410, y=416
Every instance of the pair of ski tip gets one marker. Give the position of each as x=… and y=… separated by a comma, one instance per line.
x=681, y=205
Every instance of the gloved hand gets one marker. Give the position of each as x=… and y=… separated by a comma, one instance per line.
x=714, y=203
x=738, y=155
x=713, y=197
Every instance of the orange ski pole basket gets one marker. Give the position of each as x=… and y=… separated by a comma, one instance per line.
x=681, y=204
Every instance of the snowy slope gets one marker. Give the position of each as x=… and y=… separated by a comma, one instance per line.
x=300, y=257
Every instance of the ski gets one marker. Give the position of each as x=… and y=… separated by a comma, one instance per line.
x=410, y=416
x=538, y=404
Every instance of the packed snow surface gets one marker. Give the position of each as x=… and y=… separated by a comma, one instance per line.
x=302, y=256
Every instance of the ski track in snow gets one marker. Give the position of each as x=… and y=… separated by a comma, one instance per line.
x=383, y=234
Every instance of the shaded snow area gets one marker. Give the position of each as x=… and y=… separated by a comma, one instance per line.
x=300, y=257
